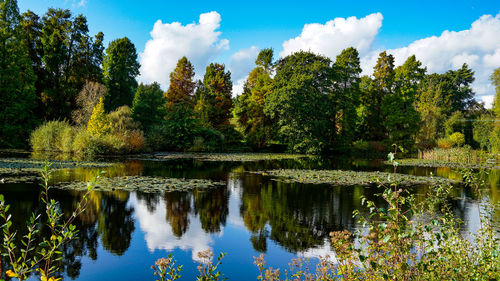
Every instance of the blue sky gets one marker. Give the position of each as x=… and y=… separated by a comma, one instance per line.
x=271, y=23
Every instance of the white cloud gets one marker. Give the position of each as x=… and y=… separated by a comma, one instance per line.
x=331, y=38
x=199, y=42
x=242, y=62
x=158, y=233
x=478, y=46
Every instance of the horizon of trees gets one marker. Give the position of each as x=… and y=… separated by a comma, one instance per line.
x=53, y=69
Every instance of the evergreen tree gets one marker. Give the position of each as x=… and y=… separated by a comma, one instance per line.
x=17, y=95
x=348, y=69
x=148, y=107
x=214, y=102
x=401, y=120
x=120, y=68
x=182, y=86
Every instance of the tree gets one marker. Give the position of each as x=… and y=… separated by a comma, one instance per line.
x=348, y=69
x=429, y=105
x=401, y=119
x=148, y=107
x=214, y=102
x=69, y=58
x=120, y=67
x=99, y=122
x=380, y=87
x=301, y=104
x=495, y=79
x=249, y=109
x=17, y=79
x=182, y=86
x=265, y=59
x=86, y=100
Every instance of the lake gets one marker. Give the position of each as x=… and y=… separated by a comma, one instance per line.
x=123, y=233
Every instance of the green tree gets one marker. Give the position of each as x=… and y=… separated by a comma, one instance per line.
x=429, y=105
x=401, y=119
x=249, y=109
x=182, y=86
x=374, y=95
x=348, y=69
x=302, y=104
x=265, y=59
x=495, y=79
x=148, y=107
x=69, y=58
x=483, y=127
x=17, y=95
x=214, y=102
x=120, y=68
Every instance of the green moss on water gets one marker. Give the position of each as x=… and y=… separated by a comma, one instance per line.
x=227, y=157
x=441, y=163
x=350, y=178
x=142, y=184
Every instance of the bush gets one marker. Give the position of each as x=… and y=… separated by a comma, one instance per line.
x=444, y=143
x=457, y=139
x=207, y=140
x=46, y=137
x=82, y=141
x=64, y=141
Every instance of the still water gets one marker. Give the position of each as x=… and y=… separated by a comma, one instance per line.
x=123, y=233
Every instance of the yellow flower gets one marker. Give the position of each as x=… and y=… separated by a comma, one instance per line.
x=11, y=273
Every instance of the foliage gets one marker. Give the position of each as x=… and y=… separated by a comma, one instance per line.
x=166, y=269
x=249, y=107
x=17, y=79
x=99, y=124
x=86, y=100
x=457, y=139
x=208, y=270
x=120, y=67
x=49, y=135
x=148, y=107
x=301, y=104
x=182, y=86
x=214, y=103
x=121, y=120
x=40, y=252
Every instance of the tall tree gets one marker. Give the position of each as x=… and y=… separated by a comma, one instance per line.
x=401, y=120
x=249, y=109
x=17, y=95
x=301, y=103
x=148, y=107
x=348, y=69
x=214, y=102
x=430, y=105
x=382, y=85
x=120, y=68
x=182, y=86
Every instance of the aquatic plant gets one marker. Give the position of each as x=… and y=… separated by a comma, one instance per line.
x=341, y=177
x=229, y=157
x=40, y=251
x=143, y=184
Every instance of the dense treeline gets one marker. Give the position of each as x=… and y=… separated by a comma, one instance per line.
x=83, y=97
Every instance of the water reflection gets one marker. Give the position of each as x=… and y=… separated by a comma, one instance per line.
x=252, y=214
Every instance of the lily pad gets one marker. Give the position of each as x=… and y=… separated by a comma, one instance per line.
x=227, y=157
x=143, y=184
x=349, y=178
x=440, y=163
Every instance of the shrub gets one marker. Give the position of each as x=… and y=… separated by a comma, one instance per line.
x=64, y=141
x=134, y=141
x=457, y=139
x=99, y=124
x=45, y=137
x=444, y=143
x=208, y=140
x=82, y=141
x=121, y=120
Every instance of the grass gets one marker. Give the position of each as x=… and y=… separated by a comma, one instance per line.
x=444, y=163
x=349, y=178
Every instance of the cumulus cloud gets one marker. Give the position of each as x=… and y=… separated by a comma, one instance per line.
x=331, y=38
x=478, y=46
x=242, y=62
x=199, y=42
